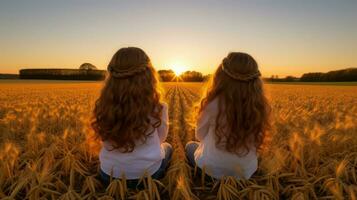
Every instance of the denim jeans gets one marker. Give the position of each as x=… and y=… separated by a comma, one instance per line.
x=134, y=183
x=190, y=149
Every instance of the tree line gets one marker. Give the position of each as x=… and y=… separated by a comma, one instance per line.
x=343, y=75
x=188, y=76
x=62, y=74
x=349, y=74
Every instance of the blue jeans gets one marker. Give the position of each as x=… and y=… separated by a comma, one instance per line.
x=190, y=149
x=134, y=183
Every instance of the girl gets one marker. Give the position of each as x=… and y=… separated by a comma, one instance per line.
x=131, y=120
x=232, y=120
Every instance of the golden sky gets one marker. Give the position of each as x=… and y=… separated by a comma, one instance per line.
x=285, y=37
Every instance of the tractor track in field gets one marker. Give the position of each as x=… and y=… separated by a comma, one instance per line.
x=186, y=117
x=168, y=93
x=179, y=175
x=191, y=96
x=187, y=103
x=177, y=125
x=181, y=103
x=170, y=97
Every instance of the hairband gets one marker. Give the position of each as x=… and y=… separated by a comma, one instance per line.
x=125, y=73
x=241, y=77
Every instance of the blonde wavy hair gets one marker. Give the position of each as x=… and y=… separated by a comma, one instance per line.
x=242, y=103
x=129, y=108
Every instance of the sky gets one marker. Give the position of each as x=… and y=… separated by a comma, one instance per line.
x=286, y=37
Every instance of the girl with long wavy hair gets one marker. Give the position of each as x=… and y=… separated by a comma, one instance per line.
x=131, y=120
x=233, y=119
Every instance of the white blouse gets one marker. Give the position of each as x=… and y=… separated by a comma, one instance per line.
x=146, y=157
x=217, y=162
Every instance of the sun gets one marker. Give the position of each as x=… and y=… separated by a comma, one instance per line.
x=178, y=69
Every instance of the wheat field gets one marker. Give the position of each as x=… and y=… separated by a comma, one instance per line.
x=48, y=150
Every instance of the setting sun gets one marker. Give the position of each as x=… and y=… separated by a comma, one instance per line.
x=178, y=69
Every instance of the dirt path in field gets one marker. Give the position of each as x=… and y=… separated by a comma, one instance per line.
x=187, y=107
x=181, y=107
x=178, y=176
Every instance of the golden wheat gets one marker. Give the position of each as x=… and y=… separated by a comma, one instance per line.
x=48, y=150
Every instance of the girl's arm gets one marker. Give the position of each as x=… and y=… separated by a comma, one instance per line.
x=163, y=129
x=202, y=126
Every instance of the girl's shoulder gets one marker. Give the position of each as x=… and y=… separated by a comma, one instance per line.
x=211, y=108
x=164, y=104
x=164, y=107
x=212, y=105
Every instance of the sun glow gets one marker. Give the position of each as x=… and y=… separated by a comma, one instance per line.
x=178, y=69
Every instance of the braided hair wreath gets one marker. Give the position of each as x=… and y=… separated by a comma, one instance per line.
x=126, y=73
x=238, y=76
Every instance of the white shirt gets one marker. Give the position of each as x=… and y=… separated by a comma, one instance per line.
x=217, y=162
x=146, y=157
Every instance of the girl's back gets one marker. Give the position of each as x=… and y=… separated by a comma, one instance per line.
x=130, y=118
x=145, y=157
x=232, y=120
x=216, y=161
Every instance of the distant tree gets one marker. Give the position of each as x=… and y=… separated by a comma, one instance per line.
x=87, y=66
x=192, y=76
x=290, y=79
x=166, y=75
x=207, y=77
x=312, y=77
x=62, y=74
x=272, y=77
x=275, y=78
x=9, y=76
x=349, y=74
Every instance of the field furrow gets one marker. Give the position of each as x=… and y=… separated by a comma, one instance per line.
x=178, y=175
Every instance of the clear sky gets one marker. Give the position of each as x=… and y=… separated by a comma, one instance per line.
x=286, y=37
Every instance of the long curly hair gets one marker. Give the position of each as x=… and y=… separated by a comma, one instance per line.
x=242, y=104
x=129, y=107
